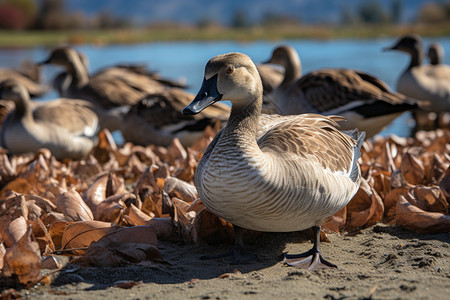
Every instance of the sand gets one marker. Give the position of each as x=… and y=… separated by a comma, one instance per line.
x=380, y=262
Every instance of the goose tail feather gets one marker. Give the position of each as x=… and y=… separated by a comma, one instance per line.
x=359, y=137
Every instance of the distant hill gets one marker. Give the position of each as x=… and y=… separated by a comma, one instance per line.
x=191, y=11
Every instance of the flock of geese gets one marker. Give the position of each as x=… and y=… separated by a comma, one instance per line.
x=284, y=170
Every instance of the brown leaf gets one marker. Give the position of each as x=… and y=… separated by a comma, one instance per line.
x=23, y=259
x=19, y=185
x=336, y=221
x=365, y=209
x=73, y=206
x=2, y=255
x=127, y=284
x=15, y=231
x=56, y=232
x=135, y=216
x=428, y=199
x=412, y=169
x=444, y=184
x=126, y=245
x=164, y=228
x=175, y=187
x=79, y=235
x=413, y=218
x=113, y=207
x=187, y=170
x=42, y=236
x=116, y=254
x=390, y=203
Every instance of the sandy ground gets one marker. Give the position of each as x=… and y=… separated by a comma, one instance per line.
x=381, y=262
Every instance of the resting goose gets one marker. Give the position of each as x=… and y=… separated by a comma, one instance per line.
x=270, y=172
x=111, y=94
x=29, y=81
x=365, y=101
x=424, y=82
x=157, y=119
x=68, y=128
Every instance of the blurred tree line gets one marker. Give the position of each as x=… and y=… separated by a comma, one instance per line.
x=52, y=15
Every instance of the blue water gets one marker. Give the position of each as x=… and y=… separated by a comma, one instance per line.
x=186, y=60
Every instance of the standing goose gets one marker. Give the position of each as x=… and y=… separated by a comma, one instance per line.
x=270, y=172
x=157, y=119
x=425, y=82
x=111, y=94
x=365, y=101
x=68, y=128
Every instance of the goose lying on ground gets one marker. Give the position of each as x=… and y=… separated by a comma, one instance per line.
x=270, y=172
x=365, y=101
x=425, y=82
x=111, y=94
x=157, y=119
x=29, y=81
x=67, y=127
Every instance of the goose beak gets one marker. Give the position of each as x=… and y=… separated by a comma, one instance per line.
x=207, y=96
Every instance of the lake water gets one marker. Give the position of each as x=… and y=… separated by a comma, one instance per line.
x=186, y=60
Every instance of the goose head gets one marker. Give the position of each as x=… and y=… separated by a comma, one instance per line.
x=435, y=53
x=231, y=76
x=410, y=44
x=66, y=57
x=284, y=56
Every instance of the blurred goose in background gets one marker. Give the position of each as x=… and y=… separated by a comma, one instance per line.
x=29, y=78
x=111, y=94
x=425, y=82
x=67, y=127
x=123, y=71
x=157, y=119
x=436, y=53
x=270, y=172
x=365, y=101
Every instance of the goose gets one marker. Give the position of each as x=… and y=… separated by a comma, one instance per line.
x=29, y=80
x=67, y=127
x=157, y=119
x=112, y=95
x=420, y=81
x=366, y=102
x=62, y=81
x=436, y=53
x=270, y=172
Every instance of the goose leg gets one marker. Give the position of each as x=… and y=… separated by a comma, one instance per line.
x=237, y=254
x=311, y=259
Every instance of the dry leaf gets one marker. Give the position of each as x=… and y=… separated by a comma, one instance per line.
x=413, y=218
x=73, y=206
x=79, y=235
x=412, y=169
x=124, y=246
x=365, y=209
x=15, y=230
x=23, y=259
x=336, y=221
x=135, y=216
x=175, y=187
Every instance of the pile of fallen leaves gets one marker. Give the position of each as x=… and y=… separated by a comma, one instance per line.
x=111, y=209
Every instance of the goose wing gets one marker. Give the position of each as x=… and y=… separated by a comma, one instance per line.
x=310, y=137
x=76, y=116
x=336, y=90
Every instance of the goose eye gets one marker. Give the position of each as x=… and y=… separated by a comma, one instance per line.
x=230, y=70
